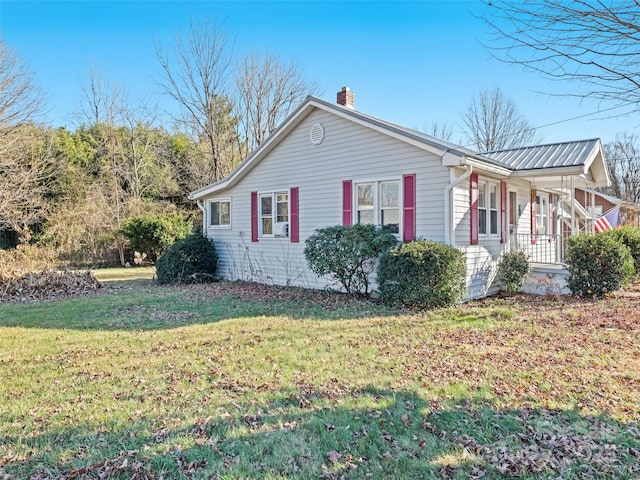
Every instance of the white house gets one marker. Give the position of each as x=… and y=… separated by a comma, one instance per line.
x=329, y=164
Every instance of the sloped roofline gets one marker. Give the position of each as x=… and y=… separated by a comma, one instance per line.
x=552, y=144
x=548, y=153
x=615, y=200
x=452, y=155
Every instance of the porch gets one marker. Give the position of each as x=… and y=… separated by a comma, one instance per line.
x=542, y=249
x=554, y=173
x=546, y=254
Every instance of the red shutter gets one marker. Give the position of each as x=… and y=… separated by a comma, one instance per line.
x=409, y=207
x=293, y=223
x=347, y=202
x=533, y=215
x=473, y=197
x=254, y=216
x=503, y=212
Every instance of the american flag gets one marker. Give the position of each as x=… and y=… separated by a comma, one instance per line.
x=608, y=221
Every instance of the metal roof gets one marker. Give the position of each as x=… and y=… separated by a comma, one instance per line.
x=567, y=154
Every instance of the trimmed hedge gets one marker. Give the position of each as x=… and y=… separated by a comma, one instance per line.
x=347, y=254
x=513, y=270
x=598, y=263
x=191, y=260
x=422, y=274
x=629, y=236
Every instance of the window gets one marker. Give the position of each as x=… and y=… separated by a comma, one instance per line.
x=378, y=203
x=545, y=213
x=542, y=213
x=513, y=212
x=220, y=213
x=487, y=208
x=274, y=214
x=482, y=208
x=365, y=207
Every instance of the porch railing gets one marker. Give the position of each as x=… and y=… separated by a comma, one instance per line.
x=540, y=248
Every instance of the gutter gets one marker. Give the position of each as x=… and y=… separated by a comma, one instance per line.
x=204, y=216
x=449, y=234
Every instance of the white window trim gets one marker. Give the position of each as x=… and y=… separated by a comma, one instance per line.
x=377, y=210
x=274, y=212
x=484, y=185
x=210, y=213
x=516, y=213
x=544, y=197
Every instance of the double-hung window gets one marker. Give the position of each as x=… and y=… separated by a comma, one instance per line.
x=487, y=208
x=274, y=214
x=378, y=203
x=542, y=214
x=220, y=213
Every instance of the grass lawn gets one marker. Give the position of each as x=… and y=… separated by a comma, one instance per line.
x=111, y=275
x=236, y=381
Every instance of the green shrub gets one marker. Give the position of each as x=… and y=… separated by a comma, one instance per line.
x=629, y=236
x=151, y=234
x=347, y=254
x=513, y=270
x=190, y=260
x=422, y=274
x=597, y=264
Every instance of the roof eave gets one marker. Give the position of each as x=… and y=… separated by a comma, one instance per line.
x=480, y=163
x=550, y=171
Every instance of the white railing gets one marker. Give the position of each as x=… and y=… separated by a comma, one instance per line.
x=540, y=248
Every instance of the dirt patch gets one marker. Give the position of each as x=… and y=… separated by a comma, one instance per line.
x=255, y=292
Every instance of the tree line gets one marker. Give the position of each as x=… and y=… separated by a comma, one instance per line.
x=72, y=189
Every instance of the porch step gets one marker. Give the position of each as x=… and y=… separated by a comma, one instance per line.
x=546, y=279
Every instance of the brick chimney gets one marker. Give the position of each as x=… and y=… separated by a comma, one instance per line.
x=346, y=98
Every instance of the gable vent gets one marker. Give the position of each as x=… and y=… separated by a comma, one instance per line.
x=317, y=134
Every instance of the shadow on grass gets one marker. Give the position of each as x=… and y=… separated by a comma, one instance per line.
x=333, y=434
x=145, y=305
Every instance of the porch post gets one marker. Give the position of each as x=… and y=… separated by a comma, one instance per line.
x=573, y=206
x=593, y=208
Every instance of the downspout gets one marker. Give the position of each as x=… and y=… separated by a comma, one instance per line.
x=449, y=234
x=204, y=217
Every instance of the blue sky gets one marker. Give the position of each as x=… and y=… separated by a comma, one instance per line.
x=412, y=63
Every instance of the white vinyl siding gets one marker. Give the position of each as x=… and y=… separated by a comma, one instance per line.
x=349, y=152
x=482, y=259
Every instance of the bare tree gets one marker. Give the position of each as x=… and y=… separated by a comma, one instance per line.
x=623, y=157
x=493, y=122
x=141, y=157
x=26, y=176
x=102, y=106
x=25, y=154
x=593, y=43
x=268, y=90
x=100, y=102
x=196, y=75
x=438, y=130
x=20, y=97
